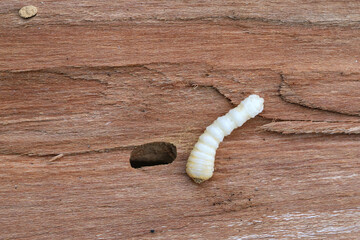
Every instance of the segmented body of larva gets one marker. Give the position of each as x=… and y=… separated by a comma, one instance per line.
x=200, y=165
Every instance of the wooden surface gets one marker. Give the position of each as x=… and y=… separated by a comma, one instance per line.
x=84, y=82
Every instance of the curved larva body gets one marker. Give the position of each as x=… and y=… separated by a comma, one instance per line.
x=200, y=165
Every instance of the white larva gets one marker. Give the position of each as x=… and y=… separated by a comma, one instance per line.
x=200, y=165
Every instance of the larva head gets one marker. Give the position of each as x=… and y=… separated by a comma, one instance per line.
x=199, y=169
x=199, y=176
x=253, y=105
x=198, y=180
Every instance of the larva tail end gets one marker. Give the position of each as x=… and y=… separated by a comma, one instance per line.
x=198, y=180
x=253, y=105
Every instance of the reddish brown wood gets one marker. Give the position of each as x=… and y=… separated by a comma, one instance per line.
x=84, y=82
x=309, y=88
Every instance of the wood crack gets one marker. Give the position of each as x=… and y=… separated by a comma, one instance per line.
x=103, y=150
x=288, y=95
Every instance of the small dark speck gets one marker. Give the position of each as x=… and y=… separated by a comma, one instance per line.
x=206, y=74
x=249, y=199
x=108, y=74
x=67, y=58
x=152, y=230
x=31, y=163
x=263, y=139
x=80, y=177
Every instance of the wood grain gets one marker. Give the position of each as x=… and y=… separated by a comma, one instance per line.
x=300, y=127
x=85, y=82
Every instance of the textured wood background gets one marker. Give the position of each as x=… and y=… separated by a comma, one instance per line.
x=93, y=79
